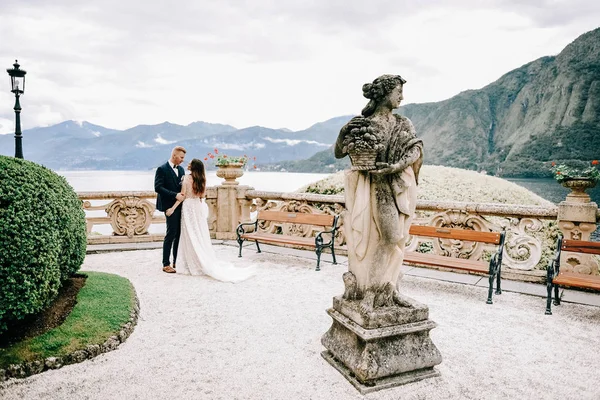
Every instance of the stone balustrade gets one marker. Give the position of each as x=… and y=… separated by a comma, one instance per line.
x=531, y=230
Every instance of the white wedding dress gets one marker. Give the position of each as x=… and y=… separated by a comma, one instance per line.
x=195, y=255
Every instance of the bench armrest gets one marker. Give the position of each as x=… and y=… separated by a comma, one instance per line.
x=240, y=228
x=319, y=238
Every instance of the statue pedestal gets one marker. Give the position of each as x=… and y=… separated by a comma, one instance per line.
x=393, y=350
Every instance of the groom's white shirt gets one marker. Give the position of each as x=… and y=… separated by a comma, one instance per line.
x=174, y=168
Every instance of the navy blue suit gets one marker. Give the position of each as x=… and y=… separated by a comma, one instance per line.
x=167, y=185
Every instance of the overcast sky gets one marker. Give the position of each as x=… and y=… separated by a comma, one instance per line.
x=275, y=63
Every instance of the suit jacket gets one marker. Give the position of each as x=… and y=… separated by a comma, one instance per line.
x=167, y=185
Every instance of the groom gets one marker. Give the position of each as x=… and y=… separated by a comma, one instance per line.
x=167, y=185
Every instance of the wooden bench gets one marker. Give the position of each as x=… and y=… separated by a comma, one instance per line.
x=556, y=277
x=324, y=220
x=493, y=269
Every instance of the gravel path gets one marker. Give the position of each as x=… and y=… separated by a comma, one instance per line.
x=260, y=339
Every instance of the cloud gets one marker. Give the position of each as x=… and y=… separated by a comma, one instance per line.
x=160, y=140
x=271, y=63
x=291, y=142
x=143, y=145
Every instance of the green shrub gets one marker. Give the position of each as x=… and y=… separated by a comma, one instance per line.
x=42, y=237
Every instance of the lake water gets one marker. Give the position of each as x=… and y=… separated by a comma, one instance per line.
x=551, y=190
x=92, y=181
x=95, y=181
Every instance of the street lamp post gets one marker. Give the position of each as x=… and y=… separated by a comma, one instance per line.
x=17, y=82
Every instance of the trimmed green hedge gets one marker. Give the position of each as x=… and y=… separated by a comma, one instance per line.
x=42, y=237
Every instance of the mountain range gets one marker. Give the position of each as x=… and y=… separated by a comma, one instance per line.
x=546, y=110
x=72, y=145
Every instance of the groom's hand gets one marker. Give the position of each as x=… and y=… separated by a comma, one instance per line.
x=180, y=197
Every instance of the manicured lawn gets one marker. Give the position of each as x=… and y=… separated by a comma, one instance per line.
x=103, y=305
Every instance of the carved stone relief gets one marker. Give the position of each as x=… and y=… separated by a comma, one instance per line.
x=130, y=216
x=577, y=262
x=212, y=214
x=522, y=250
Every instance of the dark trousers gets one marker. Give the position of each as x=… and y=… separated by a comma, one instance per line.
x=172, y=236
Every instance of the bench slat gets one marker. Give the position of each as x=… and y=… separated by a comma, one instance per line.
x=297, y=218
x=274, y=238
x=448, y=262
x=581, y=246
x=457, y=234
x=577, y=280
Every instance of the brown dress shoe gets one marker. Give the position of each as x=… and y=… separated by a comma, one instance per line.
x=168, y=269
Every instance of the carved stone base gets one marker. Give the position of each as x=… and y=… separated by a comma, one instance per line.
x=384, y=383
x=374, y=359
x=383, y=316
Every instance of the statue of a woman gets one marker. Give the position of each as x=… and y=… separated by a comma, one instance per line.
x=380, y=201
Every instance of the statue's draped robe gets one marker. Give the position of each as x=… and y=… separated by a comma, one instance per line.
x=380, y=210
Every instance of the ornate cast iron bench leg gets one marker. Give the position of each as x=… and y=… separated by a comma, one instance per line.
x=318, y=250
x=333, y=254
x=490, y=290
x=553, y=270
x=499, y=262
x=498, y=278
x=492, y=275
x=549, y=299
x=240, y=232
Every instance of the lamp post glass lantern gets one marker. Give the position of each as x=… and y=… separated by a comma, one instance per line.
x=17, y=83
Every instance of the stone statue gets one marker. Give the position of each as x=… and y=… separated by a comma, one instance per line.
x=381, y=194
x=378, y=338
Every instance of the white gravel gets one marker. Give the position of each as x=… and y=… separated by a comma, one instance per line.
x=260, y=339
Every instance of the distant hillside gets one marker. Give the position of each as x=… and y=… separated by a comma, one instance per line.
x=547, y=110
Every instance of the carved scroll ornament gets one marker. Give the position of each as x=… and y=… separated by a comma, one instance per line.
x=130, y=216
x=522, y=249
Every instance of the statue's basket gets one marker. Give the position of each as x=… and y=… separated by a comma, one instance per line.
x=363, y=159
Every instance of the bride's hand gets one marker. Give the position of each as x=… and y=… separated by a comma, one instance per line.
x=169, y=212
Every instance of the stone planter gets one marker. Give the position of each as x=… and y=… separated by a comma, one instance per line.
x=230, y=172
x=578, y=187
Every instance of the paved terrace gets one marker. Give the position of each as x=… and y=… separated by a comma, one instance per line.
x=260, y=339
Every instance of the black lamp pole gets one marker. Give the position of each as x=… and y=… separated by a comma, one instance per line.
x=18, y=135
x=17, y=78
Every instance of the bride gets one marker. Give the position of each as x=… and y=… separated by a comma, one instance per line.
x=196, y=254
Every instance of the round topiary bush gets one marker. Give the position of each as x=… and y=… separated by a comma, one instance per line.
x=42, y=237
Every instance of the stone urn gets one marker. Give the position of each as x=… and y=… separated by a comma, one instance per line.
x=230, y=172
x=578, y=186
